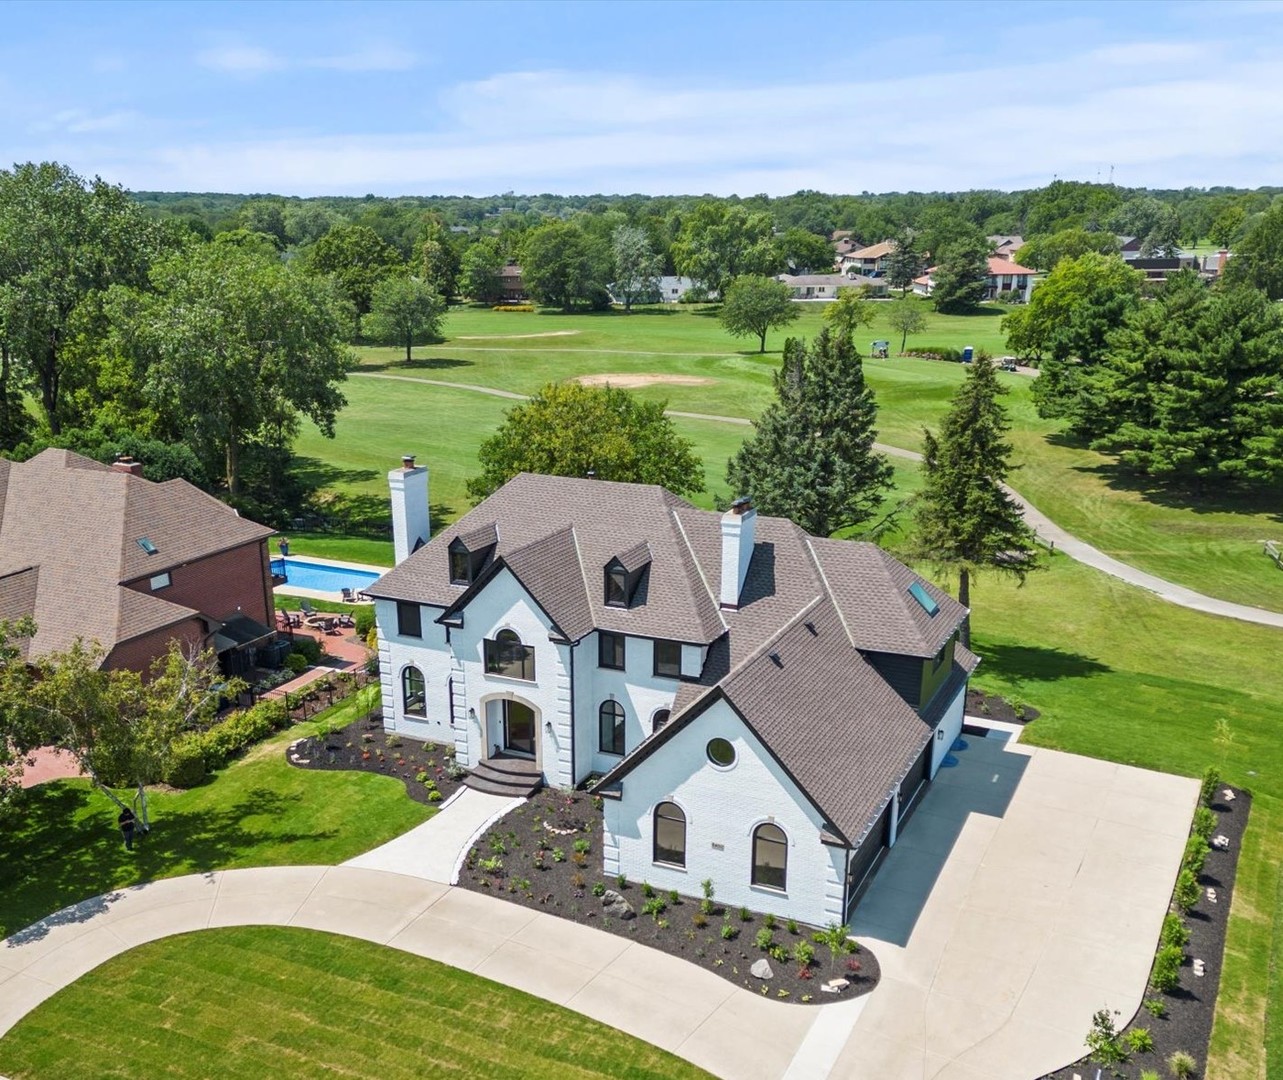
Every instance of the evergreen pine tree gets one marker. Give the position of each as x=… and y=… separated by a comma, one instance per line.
x=904, y=263
x=966, y=519
x=811, y=457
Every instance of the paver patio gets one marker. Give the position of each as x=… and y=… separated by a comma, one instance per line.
x=1026, y=892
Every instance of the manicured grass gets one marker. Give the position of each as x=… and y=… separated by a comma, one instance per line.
x=62, y=846
x=342, y=548
x=261, y=1001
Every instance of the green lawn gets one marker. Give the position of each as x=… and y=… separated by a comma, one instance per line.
x=260, y=1001
x=63, y=846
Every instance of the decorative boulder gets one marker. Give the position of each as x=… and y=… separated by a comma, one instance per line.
x=761, y=969
x=616, y=906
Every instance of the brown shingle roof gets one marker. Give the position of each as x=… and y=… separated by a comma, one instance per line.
x=79, y=522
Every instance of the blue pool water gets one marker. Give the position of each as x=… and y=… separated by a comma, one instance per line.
x=323, y=578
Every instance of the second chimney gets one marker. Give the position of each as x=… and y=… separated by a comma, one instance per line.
x=739, y=527
x=124, y=463
x=411, y=524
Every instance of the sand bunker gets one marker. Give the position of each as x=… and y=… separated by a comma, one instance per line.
x=633, y=381
x=514, y=337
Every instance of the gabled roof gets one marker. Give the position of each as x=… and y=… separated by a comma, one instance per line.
x=999, y=265
x=634, y=558
x=845, y=739
x=874, y=251
x=79, y=522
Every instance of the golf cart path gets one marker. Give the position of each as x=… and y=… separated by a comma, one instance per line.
x=1046, y=529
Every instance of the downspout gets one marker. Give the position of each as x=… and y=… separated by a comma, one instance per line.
x=574, y=780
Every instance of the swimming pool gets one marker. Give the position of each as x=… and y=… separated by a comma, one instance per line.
x=325, y=577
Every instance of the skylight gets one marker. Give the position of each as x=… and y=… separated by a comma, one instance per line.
x=147, y=545
x=924, y=598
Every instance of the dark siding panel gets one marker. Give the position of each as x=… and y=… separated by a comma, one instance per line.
x=858, y=876
x=902, y=673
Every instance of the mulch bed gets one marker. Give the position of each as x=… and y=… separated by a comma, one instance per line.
x=522, y=850
x=994, y=707
x=1187, y=1023
x=364, y=746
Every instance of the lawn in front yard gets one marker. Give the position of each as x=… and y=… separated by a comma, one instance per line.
x=268, y=1001
x=63, y=846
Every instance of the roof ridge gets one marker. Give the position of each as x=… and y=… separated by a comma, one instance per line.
x=828, y=589
x=764, y=647
x=690, y=550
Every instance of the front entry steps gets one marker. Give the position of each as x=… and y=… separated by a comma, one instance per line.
x=513, y=776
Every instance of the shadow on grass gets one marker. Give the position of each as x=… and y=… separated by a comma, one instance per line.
x=419, y=363
x=1035, y=663
x=56, y=858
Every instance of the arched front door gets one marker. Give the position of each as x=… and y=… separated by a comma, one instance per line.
x=519, y=728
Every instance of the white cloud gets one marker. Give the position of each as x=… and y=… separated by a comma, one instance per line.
x=83, y=122
x=252, y=60
x=1165, y=121
x=240, y=60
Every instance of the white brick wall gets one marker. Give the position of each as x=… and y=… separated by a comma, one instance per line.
x=723, y=807
x=950, y=728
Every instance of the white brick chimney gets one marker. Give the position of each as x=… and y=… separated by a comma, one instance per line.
x=739, y=525
x=411, y=526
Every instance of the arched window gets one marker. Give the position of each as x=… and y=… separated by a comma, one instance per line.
x=612, y=727
x=505, y=655
x=658, y=721
x=413, y=692
x=670, y=834
x=770, y=856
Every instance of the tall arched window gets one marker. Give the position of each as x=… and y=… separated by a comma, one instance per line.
x=413, y=692
x=770, y=856
x=670, y=834
x=612, y=727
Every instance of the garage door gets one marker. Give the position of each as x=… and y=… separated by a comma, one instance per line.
x=865, y=860
x=914, y=784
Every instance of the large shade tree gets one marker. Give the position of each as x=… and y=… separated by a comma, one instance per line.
x=719, y=242
x=753, y=306
x=1258, y=257
x=235, y=346
x=405, y=311
x=561, y=266
x=637, y=266
x=966, y=518
x=811, y=455
x=572, y=430
x=357, y=258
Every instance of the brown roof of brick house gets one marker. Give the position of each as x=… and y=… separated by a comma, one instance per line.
x=77, y=523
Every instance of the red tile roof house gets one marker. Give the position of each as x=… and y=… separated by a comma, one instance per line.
x=1004, y=276
x=755, y=705
x=97, y=552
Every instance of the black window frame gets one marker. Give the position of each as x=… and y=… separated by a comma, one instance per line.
x=458, y=553
x=505, y=652
x=422, y=695
x=678, y=817
x=611, y=712
x=617, y=577
x=404, y=621
x=618, y=650
x=676, y=672
x=760, y=871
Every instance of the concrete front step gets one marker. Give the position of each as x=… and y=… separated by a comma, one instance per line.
x=505, y=776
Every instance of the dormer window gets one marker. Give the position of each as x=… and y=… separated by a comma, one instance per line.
x=469, y=552
x=624, y=573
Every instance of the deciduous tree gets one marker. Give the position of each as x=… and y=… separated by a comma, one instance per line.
x=1258, y=257
x=561, y=268
x=1047, y=252
x=357, y=258
x=754, y=305
x=811, y=455
x=906, y=316
x=966, y=519
x=850, y=311
x=803, y=252
x=479, y=271
x=719, y=242
x=405, y=311
x=571, y=430
x=637, y=267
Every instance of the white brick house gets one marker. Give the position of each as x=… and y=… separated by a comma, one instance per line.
x=755, y=705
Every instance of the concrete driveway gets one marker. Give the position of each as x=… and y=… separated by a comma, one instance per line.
x=1026, y=892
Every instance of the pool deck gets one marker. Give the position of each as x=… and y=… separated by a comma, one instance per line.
x=337, y=564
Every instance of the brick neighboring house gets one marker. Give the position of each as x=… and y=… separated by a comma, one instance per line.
x=512, y=288
x=97, y=552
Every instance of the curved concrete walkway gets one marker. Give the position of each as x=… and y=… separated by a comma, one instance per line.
x=1046, y=529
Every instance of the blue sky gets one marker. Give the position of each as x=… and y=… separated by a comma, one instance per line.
x=479, y=98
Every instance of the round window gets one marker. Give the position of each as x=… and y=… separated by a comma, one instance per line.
x=721, y=752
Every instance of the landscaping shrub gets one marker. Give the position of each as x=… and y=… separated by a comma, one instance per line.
x=186, y=766
x=1182, y=1065
x=513, y=307
x=364, y=620
x=1175, y=932
x=1103, y=1042
x=296, y=662
x=1187, y=891
x=1196, y=849
x=1204, y=823
x=1211, y=781
x=309, y=648
x=937, y=352
x=1167, y=968
x=1140, y=1040
x=1156, y=1007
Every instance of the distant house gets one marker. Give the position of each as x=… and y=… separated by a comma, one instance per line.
x=843, y=244
x=1129, y=247
x=753, y=705
x=867, y=260
x=672, y=289
x=1005, y=276
x=813, y=286
x=875, y=287
x=512, y=287
x=1005, y=247
x=96, y=552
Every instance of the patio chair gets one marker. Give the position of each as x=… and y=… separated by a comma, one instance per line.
x=348, y=598
x=345, y=619
x=308, y=610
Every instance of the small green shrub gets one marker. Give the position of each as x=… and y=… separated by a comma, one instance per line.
x=558, y=855
x=778, y=953
x=492, y=865
x=1167, y=968
x=648, y=890
x=1140, y=1040
x=296, y=663
x=655, y=906
x=1103, y=1043
x=186, y=767
x=1195, y=857
x=792, y=926
x=582, y=846
x=599, y=888
x=804, y=953
x=364, y=620
x=729, y=932
x=769, y=921
x=707, y=886
x=706, y=905
x=1211, y=781
x=1156, y=1007
x=435, y=796
x=1149, y=1074
x=622, y=881
x=699, y=919
x=765, y=939
x=1182, y=1065
x=308, y=648
x=674, y=897
x=745, y=915
x=1187, y=891
x=1204, y=823
x=1175, y=932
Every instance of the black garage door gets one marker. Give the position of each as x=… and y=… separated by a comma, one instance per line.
x=865, y=860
